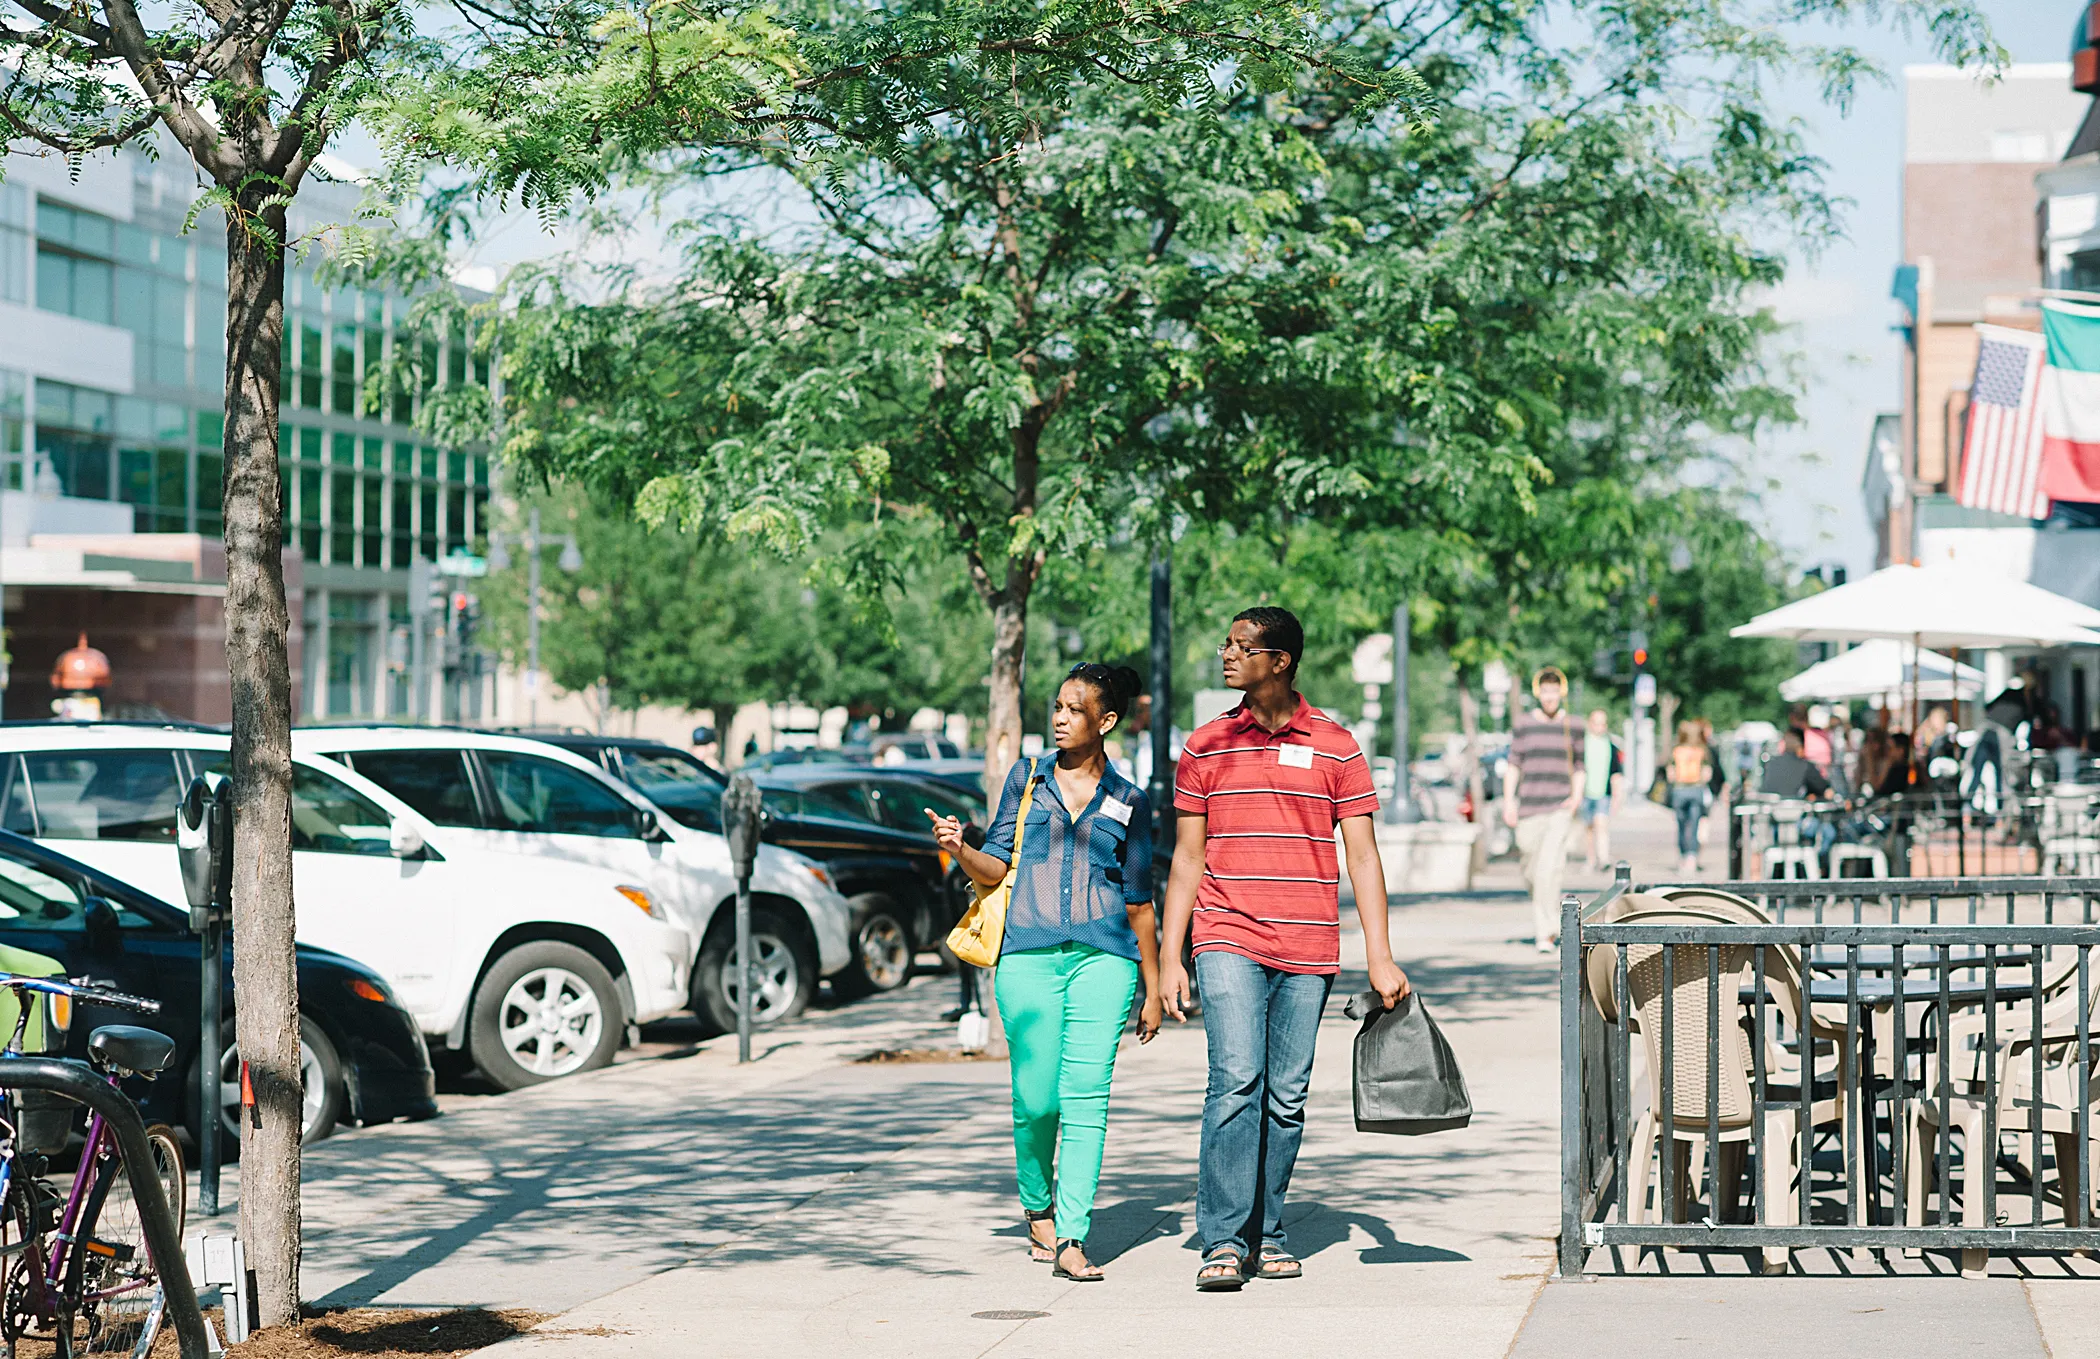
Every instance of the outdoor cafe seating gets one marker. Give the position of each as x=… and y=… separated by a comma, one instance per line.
x=1938, y=1033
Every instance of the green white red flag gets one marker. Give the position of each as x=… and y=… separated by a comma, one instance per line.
x=2070, y=391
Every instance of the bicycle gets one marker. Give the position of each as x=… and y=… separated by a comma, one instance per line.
x=84, y=1279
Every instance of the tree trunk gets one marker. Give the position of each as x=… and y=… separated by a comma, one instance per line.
x=265, y=984
x=1476, y=782
x=1002, y=727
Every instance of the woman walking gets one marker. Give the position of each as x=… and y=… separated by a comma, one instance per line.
x=1690, y=767
x=1079, y=937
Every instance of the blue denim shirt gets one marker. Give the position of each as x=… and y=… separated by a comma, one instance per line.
x=1078, y=875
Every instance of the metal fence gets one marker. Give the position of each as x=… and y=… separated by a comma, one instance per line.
x=1767, y=1066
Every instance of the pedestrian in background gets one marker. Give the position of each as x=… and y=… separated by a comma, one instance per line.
x=1602, y=775
x=1540, y=803
x=1261, y=792
x=1691, y=766
x=1080, y=935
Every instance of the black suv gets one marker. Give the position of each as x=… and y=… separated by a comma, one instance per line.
x=857, y=821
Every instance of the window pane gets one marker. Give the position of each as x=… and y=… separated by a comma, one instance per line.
x=54, y=282
x=538, y=795
x=329, y=816
x=434, y=782
x=685, y=795
x=31, y=899
x=16, y=813
x=104, y=795
x=93, y=286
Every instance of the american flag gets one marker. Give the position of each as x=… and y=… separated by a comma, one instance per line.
x=2001, y=457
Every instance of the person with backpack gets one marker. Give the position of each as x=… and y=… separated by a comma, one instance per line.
x=1080, y=936
x=1261, y=792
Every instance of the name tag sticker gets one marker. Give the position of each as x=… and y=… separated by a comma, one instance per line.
x=1294, y=757
x=1118, y=812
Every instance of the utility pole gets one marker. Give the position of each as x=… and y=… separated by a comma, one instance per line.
x=1400, y=810
x=1160, y=786
x=421, y=575
x=532, y=617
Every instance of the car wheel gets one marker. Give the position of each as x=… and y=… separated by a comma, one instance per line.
x=784, y=962
x=323, y=1093
x=544, y=1011
x=883, y=948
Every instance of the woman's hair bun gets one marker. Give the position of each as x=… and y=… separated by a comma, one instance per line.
x=1118, y=685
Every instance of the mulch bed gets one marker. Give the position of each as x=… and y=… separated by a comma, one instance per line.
x=379, y=1333
x=898, y=1056
x=366, y=1332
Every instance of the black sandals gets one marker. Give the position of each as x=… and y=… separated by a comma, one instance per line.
x=1037, y=1251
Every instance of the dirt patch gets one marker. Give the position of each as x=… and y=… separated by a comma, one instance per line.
x=373, y=1333
x=899, y=1056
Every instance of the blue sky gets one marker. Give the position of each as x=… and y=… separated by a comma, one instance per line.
x=1839, y=301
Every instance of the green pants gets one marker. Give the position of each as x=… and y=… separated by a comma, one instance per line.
x=1063, y=1008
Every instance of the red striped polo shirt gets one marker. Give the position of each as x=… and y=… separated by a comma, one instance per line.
x=1270, y=803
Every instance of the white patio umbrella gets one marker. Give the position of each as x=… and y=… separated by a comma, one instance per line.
x=1940, y=608
x=1883, y=666
x=1935, y=607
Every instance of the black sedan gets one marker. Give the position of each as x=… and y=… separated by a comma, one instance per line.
x=360, y=1053
x=905, y=892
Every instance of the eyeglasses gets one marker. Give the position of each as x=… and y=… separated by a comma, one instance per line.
x=1228, y=647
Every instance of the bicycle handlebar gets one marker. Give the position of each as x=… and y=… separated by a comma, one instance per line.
x=85, y=995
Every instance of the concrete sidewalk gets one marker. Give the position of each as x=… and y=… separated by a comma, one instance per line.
x=810, y=1203
x=919, y=1250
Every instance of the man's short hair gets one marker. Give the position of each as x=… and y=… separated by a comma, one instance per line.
x=1793, y=736
x=1279, y=629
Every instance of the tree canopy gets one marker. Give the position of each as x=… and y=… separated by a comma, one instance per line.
x=1483, y=351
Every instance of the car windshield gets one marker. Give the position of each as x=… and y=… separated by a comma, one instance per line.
x=801, y=802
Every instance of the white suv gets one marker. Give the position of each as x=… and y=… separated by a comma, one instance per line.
x=517, y=795
x=537, y=969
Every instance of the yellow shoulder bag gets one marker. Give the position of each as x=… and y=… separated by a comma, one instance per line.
x=977, y=936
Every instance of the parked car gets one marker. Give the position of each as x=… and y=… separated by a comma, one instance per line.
x=486, y=950
x=360, y=1053
x=903, y=892
x=786, y=755
x=522, y=797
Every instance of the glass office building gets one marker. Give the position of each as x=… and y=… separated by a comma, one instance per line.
x=116, y=395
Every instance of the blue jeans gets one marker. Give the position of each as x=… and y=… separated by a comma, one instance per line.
x=1262, y=1024
x=1688, y=800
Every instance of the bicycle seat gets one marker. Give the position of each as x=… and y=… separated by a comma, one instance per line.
x=130, y=1048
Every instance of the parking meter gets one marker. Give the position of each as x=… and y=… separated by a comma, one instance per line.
x=743, y=814
x=204, y=847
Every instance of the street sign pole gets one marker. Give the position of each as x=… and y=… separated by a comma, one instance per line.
x=743, y=812
x=1401, y=810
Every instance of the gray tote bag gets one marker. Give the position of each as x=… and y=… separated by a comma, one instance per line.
x=1405, y=1077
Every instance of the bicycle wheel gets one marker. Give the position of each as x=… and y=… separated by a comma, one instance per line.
x=112, y=1301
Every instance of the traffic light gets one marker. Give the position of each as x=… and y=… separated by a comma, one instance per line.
x=1638, y=642
x=427, y=589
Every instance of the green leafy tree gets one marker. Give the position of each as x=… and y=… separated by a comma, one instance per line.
x=658, y=615
x=1474, y=351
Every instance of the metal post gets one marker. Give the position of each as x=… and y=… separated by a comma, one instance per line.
x=1572, y=1249
x=532, y=617
x=1401, y=810
x=1160, y=787
x=418, y=639
x=210, y=1033
x=742, y=814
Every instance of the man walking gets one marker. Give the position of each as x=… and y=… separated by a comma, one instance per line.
x=1544, y=752
x=1259, y=794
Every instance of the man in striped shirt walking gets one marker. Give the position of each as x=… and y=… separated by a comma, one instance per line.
x=1260, y=793
x=1539, y=795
